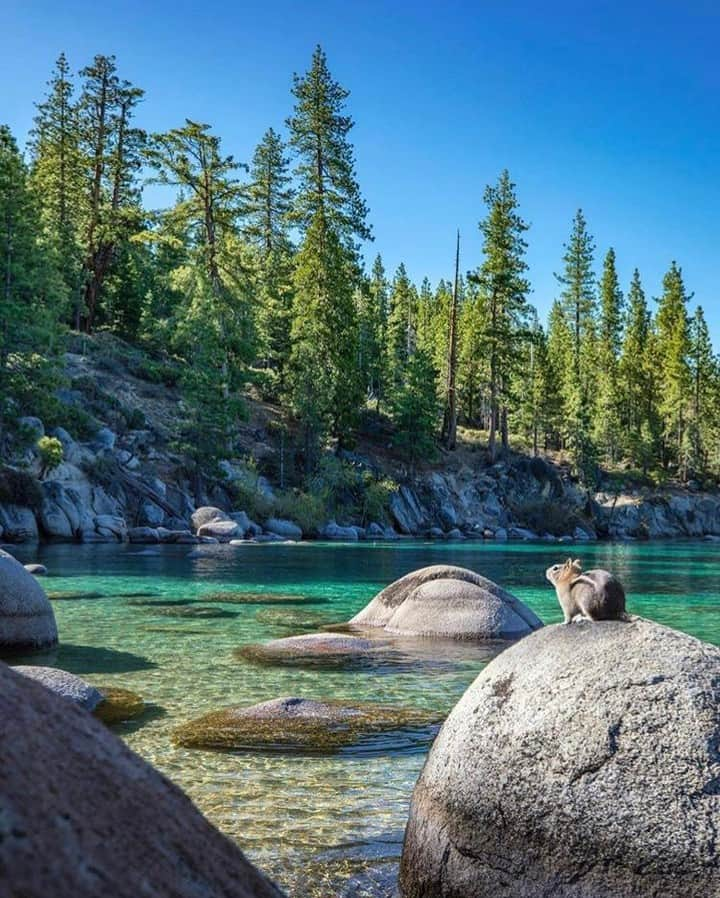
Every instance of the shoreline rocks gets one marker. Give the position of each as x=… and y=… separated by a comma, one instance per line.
x=582, y=763
x=297, y=724
x=27, y=620
x=448, y=601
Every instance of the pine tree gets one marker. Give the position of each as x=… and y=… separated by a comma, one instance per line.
x=502, y=278
x=372, y=317
x=636, y=379
x=214, y=324
x=56, y=177
x=703, y=379
x=578, y=302
x=401, y=327
x=673, y=348
x=473, y=370
x=319, y=130
x=111, y=149
x=607, y=429
x=31, y=293
x=269, y=203
x=415, y=410
x=331, y=215
x=559, y=365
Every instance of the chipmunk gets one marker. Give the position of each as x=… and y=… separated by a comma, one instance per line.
x=594, y=595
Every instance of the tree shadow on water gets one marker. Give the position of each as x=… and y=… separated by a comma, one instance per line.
x=90, y=659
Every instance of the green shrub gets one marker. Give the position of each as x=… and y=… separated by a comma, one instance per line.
x=135, y=418
x=376, y=500
x=50, y=451
x=306, y=509
x=19, y=488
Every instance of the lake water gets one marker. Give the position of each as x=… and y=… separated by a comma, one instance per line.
x=321, y=826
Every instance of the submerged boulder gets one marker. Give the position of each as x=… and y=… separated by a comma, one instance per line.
x=84, y=816
x=111, y=704
x=321, y=649
x=27, y=621
x=297, y=724
x=583, y=762
x=443, y=600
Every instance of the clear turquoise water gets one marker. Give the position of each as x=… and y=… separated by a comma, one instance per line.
x=321, y=826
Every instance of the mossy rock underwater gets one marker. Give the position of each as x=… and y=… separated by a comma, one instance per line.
x=118, y=705
x=293, y=618
x=298, y=724
x=258, y=598
x=196, y=612
x=319, y=650
x=62, y=595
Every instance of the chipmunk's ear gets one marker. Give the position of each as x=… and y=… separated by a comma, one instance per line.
x=569, y=562
x=576, y=564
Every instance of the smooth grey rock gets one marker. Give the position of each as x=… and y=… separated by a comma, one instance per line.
x=143, y=535
x=501, y=534
x=333, y=531
x=285, y=529
x=455, y=534
x=64, y=684
x=449, y=601
x=151, y=514
x=18, y=524
x=61, y=511
x=521, y=533
x=37, y=570
x=247, y=526
x=111, y=525
x=104, y=439
x=61, y=434
x=407, y=511
x=27, y=620
x=435, y=533
x=583, y=762
x=269, y=538
x=374, y=531
x=221, y=530
x=206, y=514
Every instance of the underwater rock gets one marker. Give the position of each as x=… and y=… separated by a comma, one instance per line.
x=118, y=704
x=37, y=570
x=447, y=601
x=258, y=598
x=322, y=649
x=83, y=816
x=67, y=685
x=198, y=612
x=581, y=763
x=292, y=618
x=61, y=595
x=27, y=621
x=296, y=724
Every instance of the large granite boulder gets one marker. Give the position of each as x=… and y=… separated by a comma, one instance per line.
x=334, y=531
x=221, y=530
x=82, y=816
x=18, y=524
x=206, y=514
x=448, y=601
x=284, y=528
x=27, y=621
x=297, y=724
x=583, y=762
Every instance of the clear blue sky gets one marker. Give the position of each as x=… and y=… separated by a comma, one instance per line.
x=612, y=106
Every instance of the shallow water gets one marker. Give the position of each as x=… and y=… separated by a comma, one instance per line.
x=321, y=826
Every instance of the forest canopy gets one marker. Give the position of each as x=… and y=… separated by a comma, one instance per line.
x=254, y=278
